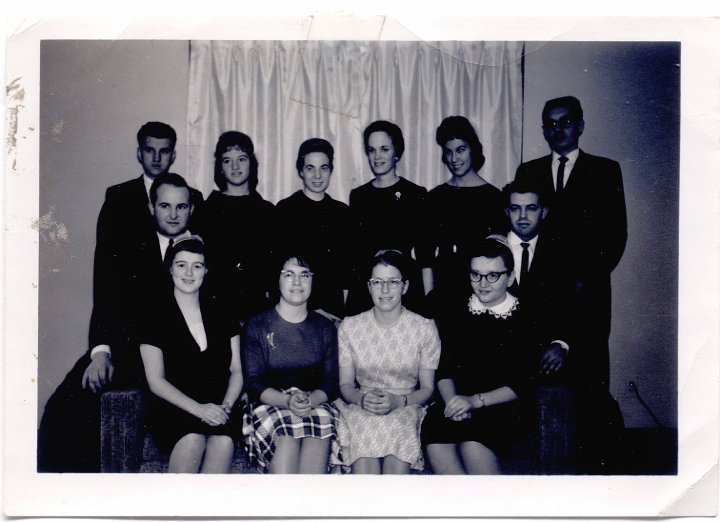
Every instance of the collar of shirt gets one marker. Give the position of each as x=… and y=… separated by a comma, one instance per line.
x=502, y=310
x=147, y=181
x=515, y=241
x=572, y=158
x=164, y=243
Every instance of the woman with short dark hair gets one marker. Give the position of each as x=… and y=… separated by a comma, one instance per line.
x=484, y=376
x=236, y=223
x=191, y=355
x=291, y=370
x=466, y=207
x=313, y=222
x=388, y=212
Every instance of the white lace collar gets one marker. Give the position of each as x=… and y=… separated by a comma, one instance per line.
x=501, y=311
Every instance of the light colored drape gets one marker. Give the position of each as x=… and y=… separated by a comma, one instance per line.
x=283, y=92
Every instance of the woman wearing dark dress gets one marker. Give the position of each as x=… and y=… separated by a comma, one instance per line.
x=312, y=222
x=191, y=356
x=465, y=208
x=389, y=215
x=236, y=224
x=290, y=356
x=484, y=371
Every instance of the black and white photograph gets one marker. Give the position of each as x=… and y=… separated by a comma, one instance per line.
x=347, y=246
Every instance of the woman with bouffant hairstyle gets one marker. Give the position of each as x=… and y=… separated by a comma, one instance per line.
x=236, y=223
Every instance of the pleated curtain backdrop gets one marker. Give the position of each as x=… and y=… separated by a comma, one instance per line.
x=283, y=92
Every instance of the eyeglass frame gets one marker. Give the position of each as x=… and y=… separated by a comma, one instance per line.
x=480, y=277
x=392, y=284
x=305, y=276
x=563, y=123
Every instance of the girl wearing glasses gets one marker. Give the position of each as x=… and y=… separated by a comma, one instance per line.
x=291, y=375
x=483, y=371
x=388, y=357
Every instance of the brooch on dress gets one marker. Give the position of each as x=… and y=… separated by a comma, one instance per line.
x=397, y=196
x=271, y=339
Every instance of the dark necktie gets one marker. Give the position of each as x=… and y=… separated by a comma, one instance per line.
x=525, y=263
x=560, y=174
x=167, y=250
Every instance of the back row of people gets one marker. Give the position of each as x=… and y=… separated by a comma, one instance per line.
x=387, y=213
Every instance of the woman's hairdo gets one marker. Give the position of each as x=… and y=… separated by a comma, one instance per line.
x=460, y=128
x=392, y=258
x=389, y=128
x=314, y=145
x=494, y=245
x=185, y=243
x=227, y=141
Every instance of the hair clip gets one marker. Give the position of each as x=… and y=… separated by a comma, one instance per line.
x=499, y=238
x=187, y=236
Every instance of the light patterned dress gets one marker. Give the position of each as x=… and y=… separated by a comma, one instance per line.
x=389, y=358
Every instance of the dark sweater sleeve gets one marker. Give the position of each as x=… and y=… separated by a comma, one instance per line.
x=254, y=358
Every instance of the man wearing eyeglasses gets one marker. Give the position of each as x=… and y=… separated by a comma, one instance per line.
x=542, y=282
x=587, y=215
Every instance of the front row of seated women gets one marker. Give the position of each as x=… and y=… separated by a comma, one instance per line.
x=354, y=399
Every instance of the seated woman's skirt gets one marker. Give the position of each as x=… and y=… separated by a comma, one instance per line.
x=362, y=434
x=168, y=424
x=263, y=424
x=496, y=427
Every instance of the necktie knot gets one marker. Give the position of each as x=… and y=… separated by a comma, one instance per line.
x=525, y=246
x=563, y=159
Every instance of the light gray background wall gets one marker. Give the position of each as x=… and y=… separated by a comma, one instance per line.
x=630, y=94
x=93, y=98
x=95, y=95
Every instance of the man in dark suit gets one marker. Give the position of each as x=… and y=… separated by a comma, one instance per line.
x=587, y=216
x=128, y=270
x=125, y=216
x=543, y=283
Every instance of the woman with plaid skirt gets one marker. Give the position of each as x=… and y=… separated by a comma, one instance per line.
x=291, y=368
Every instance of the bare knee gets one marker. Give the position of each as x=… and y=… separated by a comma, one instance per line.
x=187, y=454
x=478, y=459
x=444, y=459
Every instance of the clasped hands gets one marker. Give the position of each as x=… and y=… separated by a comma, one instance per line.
x=299, y=403
x=458, y=408
x=380, y=402
x=214, y=414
